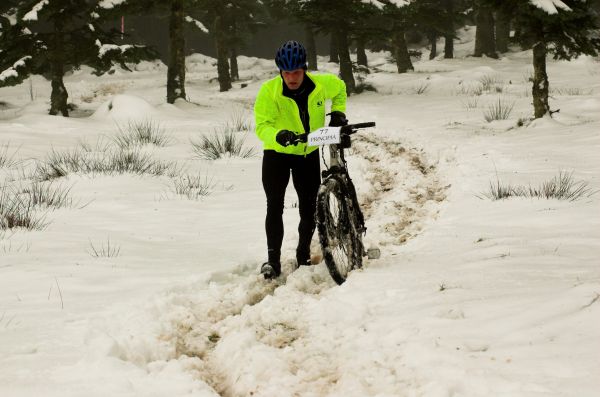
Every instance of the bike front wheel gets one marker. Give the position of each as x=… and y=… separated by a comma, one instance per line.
x=338, y=228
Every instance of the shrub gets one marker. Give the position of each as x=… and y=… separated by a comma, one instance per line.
x=490, y=81
x=471, y=103
x=18, y=212
x=40, y=193
x=60, y=164
x=469, y=90
x=238, y=121
x=220, y=144
x=499, y=110
x=7, y=160
x=19, y=206
x=104, y=250
x=141, y=133
x=193, y=186
x=421, y=88
x=561, y=187
x=570, y=91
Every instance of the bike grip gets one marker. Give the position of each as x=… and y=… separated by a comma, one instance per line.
x=363, y=125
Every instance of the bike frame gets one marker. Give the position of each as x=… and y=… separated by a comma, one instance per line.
x=338, y=169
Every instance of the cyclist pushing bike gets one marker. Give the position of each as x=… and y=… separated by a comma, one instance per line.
x=287, y=106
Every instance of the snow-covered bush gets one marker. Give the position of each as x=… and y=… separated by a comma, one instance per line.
x=20, y=207
x=193, y=186
x=561, y=187
x=112, y=161
x=7, y=159
x=222, y=143
x=137, y=133
x=498, y=110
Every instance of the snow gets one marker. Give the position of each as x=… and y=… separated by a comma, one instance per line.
x=197, y=23
x=380, y=5
x=12, y=71
x=471, y=297
x=108, y=4
x=104, y=48
x=550, y=6
x=33, y=14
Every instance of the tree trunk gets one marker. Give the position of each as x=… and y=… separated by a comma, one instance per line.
x=433, y=43
x=361, y=55
x=401, y=51
x=502, y=31
x=449, y=46
x=345, y=62
x=540, y=80
x=311, y=48
x=233, y=65
x=222, y=64
x=334, y=55
x=59, y=95
x=176, y=70
x=449, y=34
x=484, y=36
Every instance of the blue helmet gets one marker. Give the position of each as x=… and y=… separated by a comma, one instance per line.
x=291, y=56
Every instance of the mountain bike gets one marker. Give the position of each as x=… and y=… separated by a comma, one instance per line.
x=340, y=221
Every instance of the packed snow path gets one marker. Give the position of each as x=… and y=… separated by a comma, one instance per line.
x=243, y=335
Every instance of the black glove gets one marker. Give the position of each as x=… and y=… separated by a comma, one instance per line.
x=338, y=119
x=285, y=137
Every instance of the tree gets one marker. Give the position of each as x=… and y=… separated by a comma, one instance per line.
x=396, y=16
x=229, y=22
x=244, y=18
x=485, y=43
x=502, y=35
x=176, y=67
x=51, y=37
x=566, y=29
x=178, y=14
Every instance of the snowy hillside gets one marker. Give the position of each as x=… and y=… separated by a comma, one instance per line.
x=137, y=288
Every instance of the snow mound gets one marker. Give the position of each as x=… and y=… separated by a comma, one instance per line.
x=125, y=107
x=150, y=66
x=200, y=63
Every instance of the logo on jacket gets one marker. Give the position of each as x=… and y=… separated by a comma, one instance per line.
x=319, y=103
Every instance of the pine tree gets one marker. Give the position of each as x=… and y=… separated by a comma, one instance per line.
x=502, y=35
x=230, y=21
x=51, y=37
x=178, y=14
x=485, y=42
x=566, y=29
x=395, y=18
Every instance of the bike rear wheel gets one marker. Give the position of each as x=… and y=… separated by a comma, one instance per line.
x=338, y=229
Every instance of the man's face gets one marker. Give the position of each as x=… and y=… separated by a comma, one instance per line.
x=293, y=79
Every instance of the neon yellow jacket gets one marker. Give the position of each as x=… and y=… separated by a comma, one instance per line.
x=274, y=112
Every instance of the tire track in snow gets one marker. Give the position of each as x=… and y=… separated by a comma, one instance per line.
x=404, y=187
x=252, y=337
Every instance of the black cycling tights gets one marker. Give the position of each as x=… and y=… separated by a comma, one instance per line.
x=306, y=177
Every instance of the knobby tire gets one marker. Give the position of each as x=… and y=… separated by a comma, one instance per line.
x=338, y=226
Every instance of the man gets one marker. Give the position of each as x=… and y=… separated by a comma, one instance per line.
x=290, y=104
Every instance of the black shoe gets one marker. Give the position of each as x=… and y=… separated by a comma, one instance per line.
x=270, y=270
x=307, y=262
x=303, y=257
x=303, y=260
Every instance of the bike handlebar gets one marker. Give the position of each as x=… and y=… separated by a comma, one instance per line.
x=347, y=129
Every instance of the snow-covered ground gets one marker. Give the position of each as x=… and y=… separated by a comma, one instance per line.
x=471, y=297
